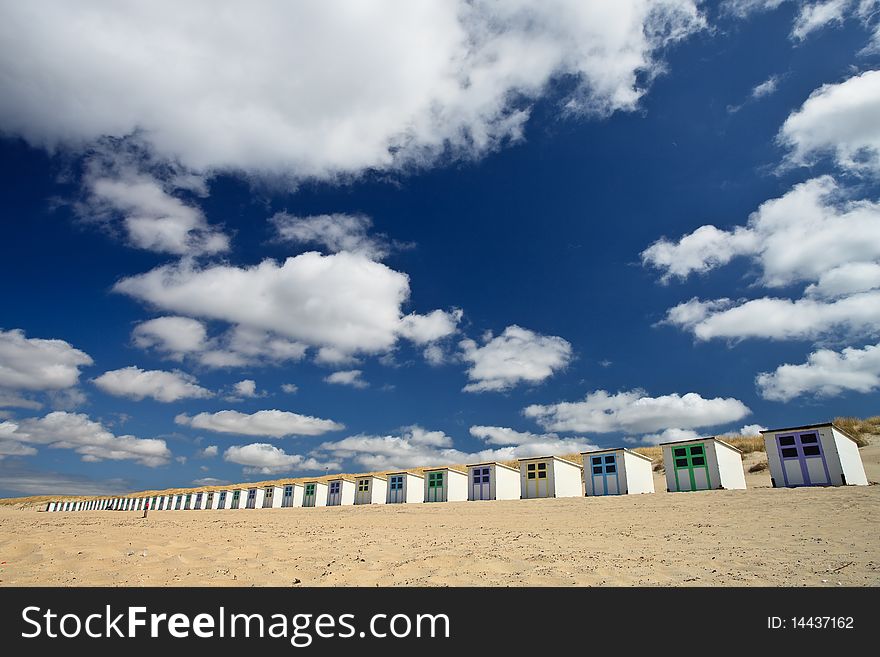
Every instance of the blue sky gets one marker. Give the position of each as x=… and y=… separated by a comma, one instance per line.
x=248, y=246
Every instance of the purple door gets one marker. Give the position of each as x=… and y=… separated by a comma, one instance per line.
x=803, y=459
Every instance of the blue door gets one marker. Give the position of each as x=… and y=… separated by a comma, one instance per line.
x=395, y=489
x=605, y=475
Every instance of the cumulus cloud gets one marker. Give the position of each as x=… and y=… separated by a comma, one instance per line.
x=118, y=190
x=244, y=389
x=779, y=319
x=173, y=336
x=37, y=364
x=436, y=325
x=343, y=301
x=9, y=446
x=516, y=356
x=9, y=399
x=135, y=383
x=265, y=459
x=635, y=412
x=332, y=89
x=525, y=443
x=667, y=436
x=289, y=388
x=347, y=378
x=210, y=481
x=838, y=120
x=91, y=439
x=334, y=232
x=826, y=373
x=270, y=423
x=798, y=237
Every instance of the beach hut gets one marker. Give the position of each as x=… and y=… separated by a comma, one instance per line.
x=50, y=507
x=255, y=498
x=340, y=492
x=617, y=471
x=493, y=481
x=405, y=487
x=446, y=485
x=371, y=489
x=549, y=476
x=272, y=497
x=222, y=499
x=704, y=464
x=315, y=493
x=140, y=504
x=813, y=455
x=292, y=496
x=178, y=503
x=197, y=501
x=210, y=500
x=236, y=499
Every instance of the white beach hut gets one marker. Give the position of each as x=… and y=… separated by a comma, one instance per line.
x=198, y=500
x=272, y=497
x=50, y=507
x=315, y=493
x=222, y=498
x=210, y=500
x=617, y=471
x=371, y=489
x=549, y=476
x=238, y=500
x=255, y=498
x=813, y=455
x=405, y=487
x=493, y=481
x=340, y=492
x=178, y=502
x=446, y=485
x=292, y=495
x=704, y=464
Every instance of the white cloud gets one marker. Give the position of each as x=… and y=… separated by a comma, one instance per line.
x=846, y=279
x=76, y=431
x=245, y=388
x=347, y=378
x=9, y=399
x=342, y=301
x=434, y=354
x=332, y=88
x=742, y=8
x=210, y=481
x=37, y=364
x=635, y=412
x=335, y=232
x=839, y=120
x=525, y=443
x=800, y=236
x=814, y=16
x=667, y=436
x=436, y=325
x=289, y=388
x=270, y=423
x=208, y=452
x=174, y=336
x=751, y=430
x=265, y=459
x=518, y=355
x=10, y=447
x=779, y=319
x=767, y=88
x=117, y=189
x=135, y=383
x=826, y=373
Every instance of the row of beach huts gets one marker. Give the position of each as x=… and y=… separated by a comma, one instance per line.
x=813, y=455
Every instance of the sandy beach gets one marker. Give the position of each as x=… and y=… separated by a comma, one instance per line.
x=760, y=536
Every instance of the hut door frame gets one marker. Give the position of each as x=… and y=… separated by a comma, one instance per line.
x=396, y=488
x=792, y=447
x=436, y=486
x=334, y=493
x=537, y=472
x=481, y=482
x=693, y=458
x=362, y=496
x=310, y=494
x=605, y=465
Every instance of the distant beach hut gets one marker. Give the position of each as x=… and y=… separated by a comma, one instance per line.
x=178, y=502
x=813, y=455
x=210, y=500
x=197, y=502
x=292, y=496
x=222, y=499
x=405, y=487
x=315, y=494
x=704, y=464
x=139, y=505
x=188, y=501
x=50, y=507
x=493, y=481
x=617, y=471
x=255, y=498
x=340, y=492
x=238, y=499
x=549, y=476
x=371, y=489
x=446, y=485
x=272, y=497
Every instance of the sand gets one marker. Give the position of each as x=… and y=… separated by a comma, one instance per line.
x=760, y=536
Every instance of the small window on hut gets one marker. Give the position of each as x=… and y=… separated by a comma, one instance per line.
x=786, y=440
x=809, y=438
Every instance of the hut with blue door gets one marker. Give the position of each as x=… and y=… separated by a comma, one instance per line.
x=617, y=471
x=340, y=492
x=405, y=487
x=292, y=495
x=813, y=455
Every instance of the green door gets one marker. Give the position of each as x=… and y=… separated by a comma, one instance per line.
x=691, y=468
x=436, y=489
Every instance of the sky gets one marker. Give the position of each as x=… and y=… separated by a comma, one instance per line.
x=246, y=243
